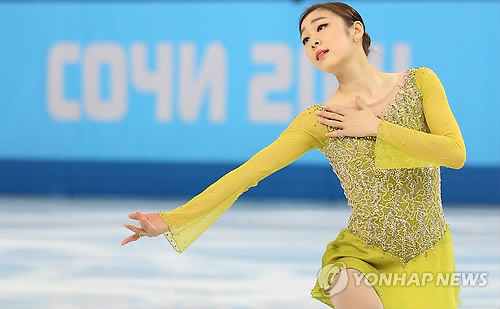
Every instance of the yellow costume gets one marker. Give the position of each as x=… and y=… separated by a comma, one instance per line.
x=392, y=184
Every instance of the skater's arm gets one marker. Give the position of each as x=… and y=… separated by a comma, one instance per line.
x=399, y=147
x=187, y=222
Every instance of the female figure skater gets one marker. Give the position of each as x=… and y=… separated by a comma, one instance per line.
x=386, y=149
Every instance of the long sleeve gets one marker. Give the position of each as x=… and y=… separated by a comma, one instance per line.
x=187, y=222
x=400, y=147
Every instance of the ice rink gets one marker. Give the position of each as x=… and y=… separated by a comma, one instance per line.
x=66, y=253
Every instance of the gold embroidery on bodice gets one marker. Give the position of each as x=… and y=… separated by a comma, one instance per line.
x=398, y=210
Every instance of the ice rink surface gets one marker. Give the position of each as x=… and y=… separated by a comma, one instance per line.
x=66, y=253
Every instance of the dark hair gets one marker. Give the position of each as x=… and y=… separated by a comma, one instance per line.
x=346, y=12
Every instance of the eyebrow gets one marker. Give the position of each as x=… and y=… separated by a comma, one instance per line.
x=316, y=19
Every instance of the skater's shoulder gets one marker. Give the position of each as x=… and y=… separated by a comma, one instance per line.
x=307, y=121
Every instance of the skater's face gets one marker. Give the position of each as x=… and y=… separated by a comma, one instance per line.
x=327, y=40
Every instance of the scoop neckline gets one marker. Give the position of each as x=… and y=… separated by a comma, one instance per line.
x=398, y=83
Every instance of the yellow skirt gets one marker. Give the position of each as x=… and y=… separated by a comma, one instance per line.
x=421, y=284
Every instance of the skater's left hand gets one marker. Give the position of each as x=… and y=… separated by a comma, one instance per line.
x=358, y=122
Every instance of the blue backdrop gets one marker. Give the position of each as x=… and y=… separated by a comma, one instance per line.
x=162, y=98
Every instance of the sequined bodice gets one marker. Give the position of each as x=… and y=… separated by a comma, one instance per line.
x=398, y=210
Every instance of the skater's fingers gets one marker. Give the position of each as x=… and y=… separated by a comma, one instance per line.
x=135, y=215
x=130, y=238
x=135, y=229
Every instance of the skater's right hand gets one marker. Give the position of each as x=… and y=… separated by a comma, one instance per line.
x=152, y=225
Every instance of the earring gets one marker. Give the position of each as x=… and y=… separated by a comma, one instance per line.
x=355, y=38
